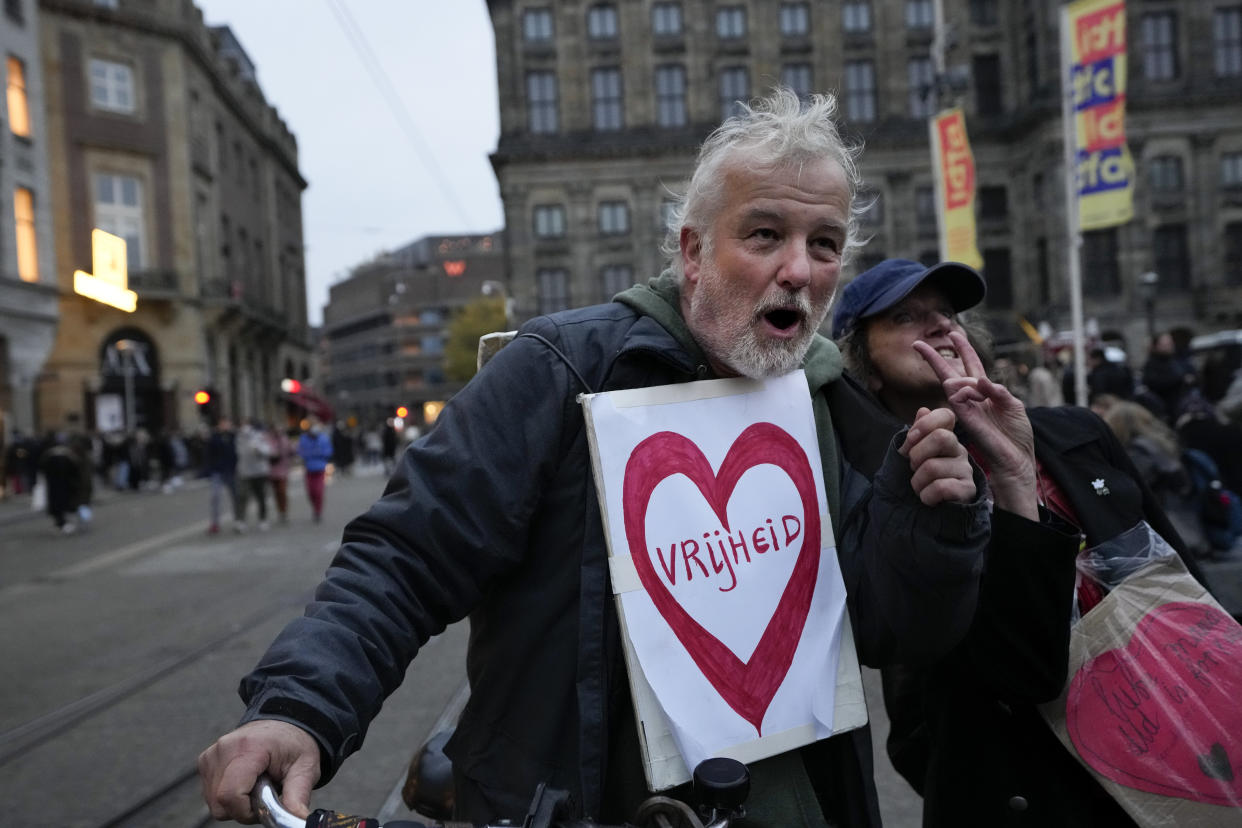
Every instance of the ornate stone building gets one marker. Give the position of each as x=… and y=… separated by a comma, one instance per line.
x=160, y=134
x=602, y=105
x=28, y=301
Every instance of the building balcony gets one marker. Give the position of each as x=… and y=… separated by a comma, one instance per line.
x=155, y=284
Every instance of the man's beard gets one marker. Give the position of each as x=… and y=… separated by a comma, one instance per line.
x=731, y=333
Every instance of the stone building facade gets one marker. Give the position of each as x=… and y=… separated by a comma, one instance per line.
x=28, y=294
x=161, y=135
x=602, y=106
x=385, y=327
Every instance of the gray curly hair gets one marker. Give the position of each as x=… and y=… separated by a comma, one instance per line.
x=771, y=133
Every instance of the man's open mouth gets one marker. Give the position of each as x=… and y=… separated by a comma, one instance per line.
x=783, y=319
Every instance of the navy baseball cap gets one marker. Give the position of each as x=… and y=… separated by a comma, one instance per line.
x=892, y=280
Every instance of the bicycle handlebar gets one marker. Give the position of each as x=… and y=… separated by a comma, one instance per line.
x=722, y=784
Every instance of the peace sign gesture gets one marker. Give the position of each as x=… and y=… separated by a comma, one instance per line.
x=996, y=422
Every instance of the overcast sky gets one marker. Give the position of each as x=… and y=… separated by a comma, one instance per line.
x=386, y=161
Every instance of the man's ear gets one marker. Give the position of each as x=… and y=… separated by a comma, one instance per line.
x=691, y=252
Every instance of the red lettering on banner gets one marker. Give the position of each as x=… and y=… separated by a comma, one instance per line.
x=1101, y=33
x=959, y=168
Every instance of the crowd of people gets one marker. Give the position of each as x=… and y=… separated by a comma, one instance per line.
x=245, y=467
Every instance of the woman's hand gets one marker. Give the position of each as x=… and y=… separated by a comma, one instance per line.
x=996, y=422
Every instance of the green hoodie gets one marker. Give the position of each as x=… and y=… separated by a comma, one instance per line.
x=660, y=299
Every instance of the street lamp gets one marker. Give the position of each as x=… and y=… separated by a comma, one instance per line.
x=1147, y=289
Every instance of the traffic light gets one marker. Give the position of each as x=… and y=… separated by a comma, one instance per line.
x=290, y=385
x=403, y=412
x=202, y=397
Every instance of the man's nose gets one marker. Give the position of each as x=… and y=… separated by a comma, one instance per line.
x=795, y=268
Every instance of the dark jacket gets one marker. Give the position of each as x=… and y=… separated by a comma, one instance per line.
x=493, y=514
x=986, y=757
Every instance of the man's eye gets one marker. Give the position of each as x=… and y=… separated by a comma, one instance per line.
x=765, y=233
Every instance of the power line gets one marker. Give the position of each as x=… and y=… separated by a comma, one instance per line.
x=389, y=93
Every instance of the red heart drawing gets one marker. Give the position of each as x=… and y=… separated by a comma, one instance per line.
x=1164, y=713
x=747, y=687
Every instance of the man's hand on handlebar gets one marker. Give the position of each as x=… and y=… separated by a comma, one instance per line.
x=231, y=766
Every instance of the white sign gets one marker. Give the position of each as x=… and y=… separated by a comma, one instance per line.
x=723, y=560
x=109, y=413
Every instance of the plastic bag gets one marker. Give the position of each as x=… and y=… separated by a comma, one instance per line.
x=38, y=495
x=1152, y=706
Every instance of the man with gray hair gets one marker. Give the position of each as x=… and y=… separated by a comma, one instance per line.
x=493, y=515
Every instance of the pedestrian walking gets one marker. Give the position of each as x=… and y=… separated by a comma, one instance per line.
x=61, y=475
x=388, y=439
x=494, y=515
x=254, y=463
x=315, y=449
x=220, y=466
x=283, y=453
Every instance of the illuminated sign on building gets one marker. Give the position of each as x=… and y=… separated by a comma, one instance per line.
x=109, y=283
x=455, y=267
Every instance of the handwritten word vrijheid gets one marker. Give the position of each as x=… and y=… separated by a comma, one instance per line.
x=724, y=552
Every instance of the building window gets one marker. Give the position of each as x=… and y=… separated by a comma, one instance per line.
x=671, y=95
x=666, y=19
x=1227, y=29
x=925, y=209
x=1164, y=174
x=668, y=209
x=921, y=76
x=1100, y=273
x=797, y=77
x=920, y=14
x=987, y=75
x=998, y=272
x=112, y=85
x=13, y=10
x=614, y=218
x=553, y=289
x=1233, y=254
x=549, y=221
x=993, y=204
x=537, y=25
x=118, y=210
x=856, y=16
x=795, y=19
x=1159, y=38
x=860, y=90
x=1171, y=257
x=606, y=106
x=1231, y=169
x=27, y=239
x=614, y=279
x=1043, y=274
x=19, y=108
x=541, y=101
x=983, y=12
x=602, y=22
x=734, y=89
x=731, y=22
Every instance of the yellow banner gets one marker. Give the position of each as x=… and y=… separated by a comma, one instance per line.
x=955, y=188
x=1097, y=73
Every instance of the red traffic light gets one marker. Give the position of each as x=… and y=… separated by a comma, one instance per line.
x=402, y=411
x=290, y=386
x=202, y=397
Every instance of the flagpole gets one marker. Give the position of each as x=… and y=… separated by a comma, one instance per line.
x=1073, y=233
